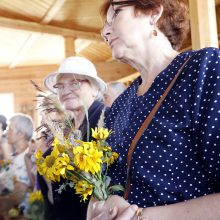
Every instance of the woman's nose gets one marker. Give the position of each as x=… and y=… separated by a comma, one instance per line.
x=67, y=88
x=105, y=33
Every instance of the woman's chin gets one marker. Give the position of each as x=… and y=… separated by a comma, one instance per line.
x=71, y=106
x=120, y=55
x=117, y=54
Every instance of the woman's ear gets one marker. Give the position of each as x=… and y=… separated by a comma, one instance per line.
x=156, y=14
x=95, y=93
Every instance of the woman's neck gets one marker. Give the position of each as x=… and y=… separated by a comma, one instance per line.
x=150, y=60
x=79, y=116
x=150, y=65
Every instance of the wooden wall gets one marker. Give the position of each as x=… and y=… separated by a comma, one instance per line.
x=17, y=81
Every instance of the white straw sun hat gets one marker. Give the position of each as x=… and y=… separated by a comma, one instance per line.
x=77, y=66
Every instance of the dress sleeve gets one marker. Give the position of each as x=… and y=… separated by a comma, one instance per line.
x=206, y=110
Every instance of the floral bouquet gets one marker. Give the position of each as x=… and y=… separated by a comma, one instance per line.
x=83, y=164
x=36, y=206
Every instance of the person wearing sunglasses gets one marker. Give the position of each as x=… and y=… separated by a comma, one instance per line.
x=168, y=135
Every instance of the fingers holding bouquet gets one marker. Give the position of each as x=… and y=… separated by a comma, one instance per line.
x=115, y=207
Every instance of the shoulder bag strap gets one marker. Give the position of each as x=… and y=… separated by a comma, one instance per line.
x=144, y=127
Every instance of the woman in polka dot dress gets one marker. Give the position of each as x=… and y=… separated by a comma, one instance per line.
x=175, y=167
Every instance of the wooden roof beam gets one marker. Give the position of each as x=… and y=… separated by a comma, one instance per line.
x=203, y=23
x=24, y=49
x=69, y=47
x=51, y=13
x=83, y=46
x=48, y=29
x=107, y=71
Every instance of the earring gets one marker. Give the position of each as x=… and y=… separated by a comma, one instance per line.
x=154, y=31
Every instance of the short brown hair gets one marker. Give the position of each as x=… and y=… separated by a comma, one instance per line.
x=174, y=22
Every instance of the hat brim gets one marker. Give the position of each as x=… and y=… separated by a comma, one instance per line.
x=51, y=80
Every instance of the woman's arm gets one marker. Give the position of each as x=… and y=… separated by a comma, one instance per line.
x=202, y=208
x=29, y=165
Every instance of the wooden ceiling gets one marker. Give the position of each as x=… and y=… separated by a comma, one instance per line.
x=36, y=35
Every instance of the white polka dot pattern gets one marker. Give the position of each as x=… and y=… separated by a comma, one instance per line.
x=178, y=156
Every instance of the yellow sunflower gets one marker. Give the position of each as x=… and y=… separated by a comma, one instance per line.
x=35, y=196
x=57, y=145
x=87, y=157
x=39, y=161
x=62, y=164
x=84, y=189
x=100, y=133
x=48, y=166
x=38, y=154
x=110, y=158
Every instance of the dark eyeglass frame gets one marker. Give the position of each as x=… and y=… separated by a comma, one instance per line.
x=124, y=3
x=75, y=84
x=120, y=3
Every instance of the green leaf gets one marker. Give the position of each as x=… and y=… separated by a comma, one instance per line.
x=116, y=188
x=98, y=183
x=107, y=181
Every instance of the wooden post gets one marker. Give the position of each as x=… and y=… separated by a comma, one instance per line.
x=70, y=46
x=203, y=23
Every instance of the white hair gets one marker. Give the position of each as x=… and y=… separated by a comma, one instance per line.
x=99, y=95
x=117, y=86
x=24, y=124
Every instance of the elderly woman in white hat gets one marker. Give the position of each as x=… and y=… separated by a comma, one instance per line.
x=78, y=87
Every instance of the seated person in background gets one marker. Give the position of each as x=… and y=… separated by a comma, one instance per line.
x=5, y=148
x=14, y=180
x=114, y=89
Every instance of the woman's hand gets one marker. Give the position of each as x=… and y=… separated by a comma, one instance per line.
x=114, y=208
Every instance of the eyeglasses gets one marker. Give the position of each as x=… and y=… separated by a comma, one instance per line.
x=124, y=3
x=110, y=19
x=74, y=85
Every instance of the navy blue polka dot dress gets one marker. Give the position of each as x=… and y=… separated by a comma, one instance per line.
x=178, y=156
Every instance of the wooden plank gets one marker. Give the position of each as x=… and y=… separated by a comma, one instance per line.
x=83, y=45
x=203, y=23
x=217, y=2
x=24, y=49
x=33, y=36
x=107, y=71
x=70, y=46
x=58, y=4
x=49, y=29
